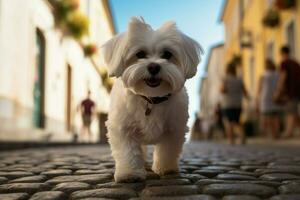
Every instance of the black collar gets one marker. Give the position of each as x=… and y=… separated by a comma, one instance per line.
x=156, y=100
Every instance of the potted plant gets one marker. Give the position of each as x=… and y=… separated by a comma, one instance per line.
x=77, y=25
x=89, y=49
x=107, y=82
x=285, y=4
x=272, y=18
x=236, y=60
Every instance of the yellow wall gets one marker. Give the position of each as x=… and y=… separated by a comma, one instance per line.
x=232, y=25
x=254, y=12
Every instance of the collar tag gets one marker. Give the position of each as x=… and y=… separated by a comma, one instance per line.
x=153, y=100
x=148, y=111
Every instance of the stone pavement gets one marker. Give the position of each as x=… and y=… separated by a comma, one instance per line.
x=208, y=172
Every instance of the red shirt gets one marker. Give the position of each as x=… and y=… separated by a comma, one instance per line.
x=87, y=106
x=292, y=84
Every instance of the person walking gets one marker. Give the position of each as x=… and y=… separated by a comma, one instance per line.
x=288, y=92
x=87, y=109
x=232, y=90
x=268, y=108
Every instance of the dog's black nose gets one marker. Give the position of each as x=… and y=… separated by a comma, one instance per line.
x=153, y=68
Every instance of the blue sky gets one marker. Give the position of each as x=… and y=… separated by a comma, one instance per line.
x=196, y=18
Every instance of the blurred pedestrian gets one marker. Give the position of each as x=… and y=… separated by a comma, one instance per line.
x=268, y=108
x=288, y=90
x=218, y=121
x=233, y=91
x=196, y=133
x=87, y=110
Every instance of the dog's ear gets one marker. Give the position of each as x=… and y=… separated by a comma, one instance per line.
x=138, y=25
x=168, y=27
x=113, y=56
x=192, y=51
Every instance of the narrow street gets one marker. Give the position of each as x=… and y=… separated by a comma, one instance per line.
x=207, y=171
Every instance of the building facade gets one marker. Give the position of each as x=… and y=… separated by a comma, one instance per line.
x=211, y=83
x=44, y=75
x=248, y=35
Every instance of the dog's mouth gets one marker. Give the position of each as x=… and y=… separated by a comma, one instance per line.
x=153, y=82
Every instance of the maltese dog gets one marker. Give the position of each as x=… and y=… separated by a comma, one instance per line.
x=149, y=103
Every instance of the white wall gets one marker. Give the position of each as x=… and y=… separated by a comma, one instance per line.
x=210, y=96
x=18, y=23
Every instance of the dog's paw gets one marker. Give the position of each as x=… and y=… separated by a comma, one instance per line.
x=130, y=177
x=164, y=170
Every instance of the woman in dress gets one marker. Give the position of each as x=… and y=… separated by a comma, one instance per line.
x=269, y=110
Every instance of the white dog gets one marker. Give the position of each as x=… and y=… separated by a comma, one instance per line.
x=149, y=104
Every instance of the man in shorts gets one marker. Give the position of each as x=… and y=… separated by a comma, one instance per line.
x=288, y=90
x=87, y=109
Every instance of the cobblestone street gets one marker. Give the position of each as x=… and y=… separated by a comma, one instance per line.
x=208, y=171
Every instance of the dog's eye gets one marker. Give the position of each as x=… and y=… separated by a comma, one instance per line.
x=167, y=55
x=141, y=54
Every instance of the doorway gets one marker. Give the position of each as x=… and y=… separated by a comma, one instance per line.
x=39, y=81
x=69, y=99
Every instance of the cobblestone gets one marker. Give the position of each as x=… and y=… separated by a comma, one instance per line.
x=57, y=172
x=135, y=186
x=164, y=182
x=70, y=187
x=240, y=197
x=29, y=179
x=53, y=195
x=279, y=177
x=14, y=196
x=235, y=177
x=15, y=174
x=23, y=187
x=207, y=172
x=286, y=197
x=91, y=178
x=291, y=188
x=3, y=180
x=189, y=197
x=117, y=193
x=239, y=189
x=172, y=190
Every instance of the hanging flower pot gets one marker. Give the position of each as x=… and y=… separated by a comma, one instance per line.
x=285, y=4
x=62, y=9
x=272, y=18
x=236, y=60
x=77, y=25
x=89, y=49
x=106, y=81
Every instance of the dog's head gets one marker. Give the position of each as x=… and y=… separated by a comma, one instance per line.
x=152, y=62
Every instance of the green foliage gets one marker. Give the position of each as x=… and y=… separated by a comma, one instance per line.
x=77, y=25
x=69, y=19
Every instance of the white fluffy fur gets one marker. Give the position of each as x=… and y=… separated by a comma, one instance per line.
x=128, y=127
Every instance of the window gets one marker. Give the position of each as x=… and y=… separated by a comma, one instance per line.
x=291, y=37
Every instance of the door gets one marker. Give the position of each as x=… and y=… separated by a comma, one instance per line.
x=69, y=99
x=39, y=82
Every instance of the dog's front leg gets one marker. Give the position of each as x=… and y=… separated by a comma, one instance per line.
x=167, y=153
x=128, y=156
